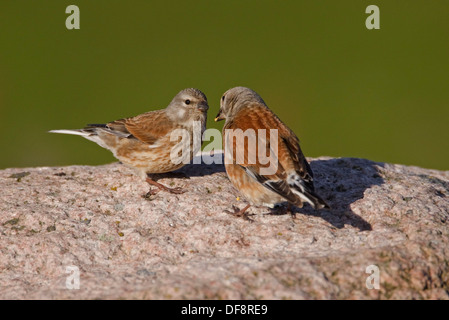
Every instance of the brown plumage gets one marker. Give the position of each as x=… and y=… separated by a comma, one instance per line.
x=291, y=178
x=145, y=143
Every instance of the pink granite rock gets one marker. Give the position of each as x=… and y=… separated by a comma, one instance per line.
x=168, y=246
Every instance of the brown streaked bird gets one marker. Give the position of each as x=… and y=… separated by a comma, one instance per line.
x=291, y=178
x=144, y=142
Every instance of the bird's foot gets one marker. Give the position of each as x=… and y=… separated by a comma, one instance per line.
x=291, y=210
x=150, y=193
x=153, y=192
x=176, y=190
x=242, y=213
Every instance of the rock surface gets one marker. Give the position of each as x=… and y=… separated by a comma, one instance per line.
x=185, y=246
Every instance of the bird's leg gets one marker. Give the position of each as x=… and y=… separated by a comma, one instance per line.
x=241, y=213
x=162, y=187
x=290, y=209
x=281, y=210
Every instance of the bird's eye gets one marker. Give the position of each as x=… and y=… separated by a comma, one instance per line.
x=222, y=98
x=187, y=101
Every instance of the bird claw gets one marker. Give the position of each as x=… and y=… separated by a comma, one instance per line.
x=149, y=194
x=177, y=190
x=241, y=213
x=236, y=211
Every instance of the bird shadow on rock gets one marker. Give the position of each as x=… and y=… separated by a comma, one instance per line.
x=341, y=182
x=196, y=168
x=203, y=165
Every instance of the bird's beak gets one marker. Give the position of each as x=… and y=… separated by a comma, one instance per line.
x=219, y=116
x=203, y=106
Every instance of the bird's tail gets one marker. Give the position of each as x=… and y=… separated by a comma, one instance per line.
x=315, y=200
x=90, y=129
x=91, y=132
x=77, y=132
x=305, y=191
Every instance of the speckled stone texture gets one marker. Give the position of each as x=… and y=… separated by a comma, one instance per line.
x=185, y=246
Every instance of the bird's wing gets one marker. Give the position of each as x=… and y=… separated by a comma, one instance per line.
x=252, y=119
x=300, y=174
x=147, y=127
x=296, y=161
x=293, y=178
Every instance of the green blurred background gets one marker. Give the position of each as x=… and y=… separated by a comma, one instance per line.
x=345, y=90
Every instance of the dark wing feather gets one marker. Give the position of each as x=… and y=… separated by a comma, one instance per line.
x=115, y=130
x=301, y=179
x=278, y=186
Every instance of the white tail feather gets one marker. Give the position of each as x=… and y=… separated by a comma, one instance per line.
x=88, y=135
x=303, y=197
x=75, y=132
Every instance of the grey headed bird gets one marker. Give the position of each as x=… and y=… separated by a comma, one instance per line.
x=144, y=142
x=291, y=179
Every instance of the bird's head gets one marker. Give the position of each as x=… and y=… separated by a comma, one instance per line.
x=187, y=105
x=236, y=99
